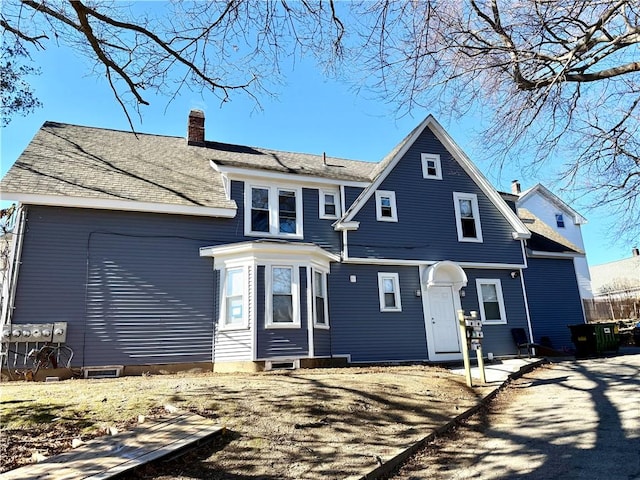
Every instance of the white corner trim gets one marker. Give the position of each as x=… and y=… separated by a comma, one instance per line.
x=110, y=204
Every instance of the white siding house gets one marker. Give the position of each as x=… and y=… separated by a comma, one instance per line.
x=565, y=221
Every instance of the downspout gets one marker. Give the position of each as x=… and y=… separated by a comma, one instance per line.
x=526, y=309
x=14, y=266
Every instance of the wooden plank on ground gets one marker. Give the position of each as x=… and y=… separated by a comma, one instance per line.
x=108, y=456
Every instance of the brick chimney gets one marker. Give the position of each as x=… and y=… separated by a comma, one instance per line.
x=195, y=128
x=515, y=187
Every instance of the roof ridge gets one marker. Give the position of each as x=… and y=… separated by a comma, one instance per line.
x=53, y=123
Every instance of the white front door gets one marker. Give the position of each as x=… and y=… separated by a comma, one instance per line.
x=442, y=324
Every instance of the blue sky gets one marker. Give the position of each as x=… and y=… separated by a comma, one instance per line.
x=309, y=114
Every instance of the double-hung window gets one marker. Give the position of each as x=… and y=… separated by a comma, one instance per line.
x=273, y=211
x=260, y=216
x=431, y=167
x=287, y=211
x=328, y=204
x=282, y=305
x=560, y=220
x=389, y=292
x=467, y=217
x=320, y=305
x=386, y=206
x=491, y=301
x=233, y=314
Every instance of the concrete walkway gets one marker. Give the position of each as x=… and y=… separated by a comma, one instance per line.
x=497, y=373
x=574, y=420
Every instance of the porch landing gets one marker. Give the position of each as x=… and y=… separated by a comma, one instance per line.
x=108, y=456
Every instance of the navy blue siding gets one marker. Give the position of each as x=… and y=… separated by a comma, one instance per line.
x=281, y=342
x=359, y=328
x=426, y=227
x=322, y=342
x=350, y=195
x=316, y=230
x=131, y=284
x=554, y=300
x=137, y=313
x=497, y=338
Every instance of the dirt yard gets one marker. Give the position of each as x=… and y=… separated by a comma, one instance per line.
x=324, y=423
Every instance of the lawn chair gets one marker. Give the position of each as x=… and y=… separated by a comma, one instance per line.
x=522, y=342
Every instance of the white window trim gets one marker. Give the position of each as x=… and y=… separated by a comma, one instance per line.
x=322, y=205
x=396, y=286
x=326, y=299
x=295, y=296
x=392, y=200
x=273, y=211
x=425, y=157
x=498, y=285
x=457, y=196
x=222, y=325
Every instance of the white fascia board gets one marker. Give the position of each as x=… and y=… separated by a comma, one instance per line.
x=389, y=261
x=542, y=254
x=270, y=250
x=252, y=174
x=554, y=199
x=124, y=205
x=520, y=231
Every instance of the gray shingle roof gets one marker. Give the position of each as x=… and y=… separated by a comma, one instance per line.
x=289, y=162
x=76, y=161
x=547, y=238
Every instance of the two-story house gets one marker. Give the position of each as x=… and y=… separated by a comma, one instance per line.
x=164, y=252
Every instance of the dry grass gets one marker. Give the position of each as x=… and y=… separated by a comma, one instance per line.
x=325, y=423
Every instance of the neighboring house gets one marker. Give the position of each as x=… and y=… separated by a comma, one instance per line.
x=564, y=220
x=617, y=279
x=161, y=252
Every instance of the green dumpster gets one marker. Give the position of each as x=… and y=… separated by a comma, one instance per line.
x=592, y=339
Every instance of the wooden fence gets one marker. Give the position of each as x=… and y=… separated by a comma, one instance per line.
x=612, y=307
